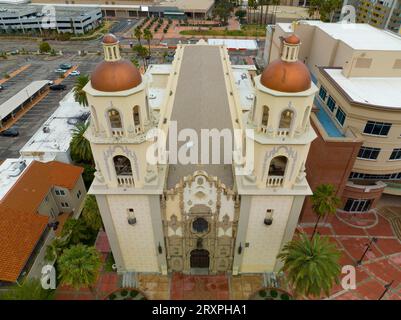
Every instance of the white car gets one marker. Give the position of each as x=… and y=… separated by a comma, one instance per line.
x=59, y=71
x=75, y=73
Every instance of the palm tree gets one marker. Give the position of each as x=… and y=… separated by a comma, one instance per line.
x=56, y=248
x=324, y=201
x=138, y=34
x=91, y=214
x=312, y=265
x=142, y=52
x=79, y=267
x=148, y=36
x=31, y=289
x=79, y=145
x=79, y=93
x=135, y=62
x=75, y=231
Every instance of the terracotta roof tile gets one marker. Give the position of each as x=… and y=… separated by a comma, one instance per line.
x=20, y=225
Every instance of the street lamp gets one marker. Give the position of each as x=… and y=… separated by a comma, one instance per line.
x=386, y=288
x=368, y=246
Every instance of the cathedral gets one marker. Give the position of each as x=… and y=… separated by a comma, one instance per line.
x=187, y=214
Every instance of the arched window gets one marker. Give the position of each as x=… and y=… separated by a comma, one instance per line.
x=122, y=166
x=200, y=225
x=265, y=116
x=136, y=116
x=306, y=116
x=277, y=166
x=115, y=119
x=286, y=119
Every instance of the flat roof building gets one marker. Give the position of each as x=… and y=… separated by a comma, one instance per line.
x=27, y=18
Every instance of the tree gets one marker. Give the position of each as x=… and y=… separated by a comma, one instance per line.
x=79, y=146
x=240, y=14
x=142, y=52
x=31, y=289
x=223, y=10
x=148, y=36
x=312, y=266
x=79, y=93
x=44, y=47
x=325, y=8
x=90, y=214
x=79, y=266
x=324, y=201
x=75, y=231
x=135, y=62
x=138, y=34
x=56, y=248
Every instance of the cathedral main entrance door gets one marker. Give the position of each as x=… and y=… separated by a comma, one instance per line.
x=199, y=258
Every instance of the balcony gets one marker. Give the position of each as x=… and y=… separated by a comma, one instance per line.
x=125, y=181
x=283, y=132
x=275, y=181
x=117, y=132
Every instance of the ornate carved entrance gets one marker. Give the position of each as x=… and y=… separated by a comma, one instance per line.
x=200, y=258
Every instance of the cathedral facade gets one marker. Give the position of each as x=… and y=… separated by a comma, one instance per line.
x=188, y=214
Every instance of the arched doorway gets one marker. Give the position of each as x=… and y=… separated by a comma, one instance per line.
x=199, y=258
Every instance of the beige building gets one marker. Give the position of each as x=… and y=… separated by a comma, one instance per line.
x=359, y=78
x=196, y=214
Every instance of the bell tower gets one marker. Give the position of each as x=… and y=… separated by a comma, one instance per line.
x=126, y=186
x=273, y=194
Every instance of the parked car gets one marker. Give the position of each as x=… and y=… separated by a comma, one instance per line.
x=1, y=88
x=75, y=73
x=59, y=71
x=11, y=132
x=57, y=87
x=65, y=66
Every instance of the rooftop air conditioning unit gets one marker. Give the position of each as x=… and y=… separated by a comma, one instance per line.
x=46, y=129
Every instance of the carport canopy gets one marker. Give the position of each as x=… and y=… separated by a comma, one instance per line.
x=22, y=96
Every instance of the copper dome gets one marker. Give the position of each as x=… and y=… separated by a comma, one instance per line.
x=292, y=39
x=286, y=76
x=112, y=76
x=110, y=39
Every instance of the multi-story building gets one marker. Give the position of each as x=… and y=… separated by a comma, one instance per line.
x=25, y=18
x=195, y=213
x=33, y=197
x=359, y=80
x=384, y=14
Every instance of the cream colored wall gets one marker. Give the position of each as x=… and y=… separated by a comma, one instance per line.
x=265, y=241
x=357, y=117
x=136, y=242
x=159, y=80
x=48, y=204
x=382, y=64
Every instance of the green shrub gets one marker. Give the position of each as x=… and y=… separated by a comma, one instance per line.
x=133, y=293
x=285, y=296
x=273, y=293
x=112, y=296
x=124, y=293
x=262, y=293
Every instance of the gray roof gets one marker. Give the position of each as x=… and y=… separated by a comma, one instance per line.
x=201, y=102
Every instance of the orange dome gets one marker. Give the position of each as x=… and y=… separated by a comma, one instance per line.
x=286, y=76
x=292, y=39
x=112, y=76
x=110, y=39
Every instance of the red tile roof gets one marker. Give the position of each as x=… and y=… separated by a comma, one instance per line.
x=20, y=224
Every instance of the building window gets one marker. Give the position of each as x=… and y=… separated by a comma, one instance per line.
x=64, y=205
x=115, y=119
x=200, y=225
x=396, y=154
x=265, y=116
x=136, y=116
x=377, y=128
x=366, y=176
x=277, y=166
x=122, y=166
x=331, y=103
x=357, y=205
x=79, y=193
x=340, y=116
x=60, y=192
x=368, y=153
x=322, y=93
x=286, y=119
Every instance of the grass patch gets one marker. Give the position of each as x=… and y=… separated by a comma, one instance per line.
x=108, y=266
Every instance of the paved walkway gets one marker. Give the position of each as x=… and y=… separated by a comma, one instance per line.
x=382, y=263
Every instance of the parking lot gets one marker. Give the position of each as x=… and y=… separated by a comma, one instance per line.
x=34, y=118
